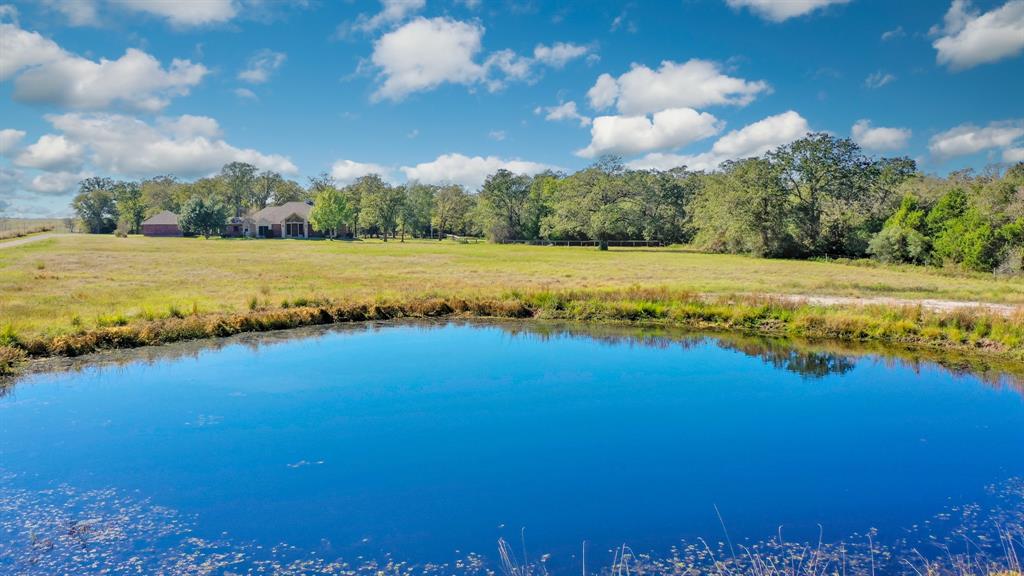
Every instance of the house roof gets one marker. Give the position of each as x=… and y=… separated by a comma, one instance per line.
x=162, y=218
x=279, y=213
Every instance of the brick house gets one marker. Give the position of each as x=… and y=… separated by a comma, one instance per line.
x=161, y=224
x=289, y=220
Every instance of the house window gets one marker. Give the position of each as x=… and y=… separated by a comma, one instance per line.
x=296, y=228
x=264, y=231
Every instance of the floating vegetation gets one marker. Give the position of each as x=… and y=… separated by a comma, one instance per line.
x=67, y=531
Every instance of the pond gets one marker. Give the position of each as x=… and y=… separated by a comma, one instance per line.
x=414, y=447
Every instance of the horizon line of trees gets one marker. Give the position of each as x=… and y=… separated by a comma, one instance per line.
x=818, y=197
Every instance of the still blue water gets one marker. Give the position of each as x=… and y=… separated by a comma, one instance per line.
x=429, y=441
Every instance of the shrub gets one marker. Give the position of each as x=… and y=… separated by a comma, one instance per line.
x=10, y=358
x=8, y=337
x=1012, y=263
x=897, y=245
x=111, y=320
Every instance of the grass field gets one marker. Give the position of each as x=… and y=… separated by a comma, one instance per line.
x=68, y=282
x=72, y=294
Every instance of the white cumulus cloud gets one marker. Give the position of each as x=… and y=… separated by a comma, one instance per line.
x=136, y=80
x=424, y=54
x=879, y=138
x=671, y=128
x=563, y=111
x=781, y=10
x=77, y=12
x=47, y=74
x=469, y=171
x=968, y=38
x=559, y=54
x=346, y=172
x=967, y=139
x=751, y=140
x=184, y=13
x=51, y=152
x=261, y=66
x=692, y=84
x=9, y=140
x=187, y=146
x=392, y=12
x=1013, y=155
x=21, y=49
x=56, y=183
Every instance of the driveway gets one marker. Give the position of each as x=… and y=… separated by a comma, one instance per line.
x=27, y=240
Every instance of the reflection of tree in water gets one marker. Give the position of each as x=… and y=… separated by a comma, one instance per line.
x=809, y=364
x=809, y=359
x=814, y=359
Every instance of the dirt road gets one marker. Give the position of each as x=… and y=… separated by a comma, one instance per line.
x=25, y=240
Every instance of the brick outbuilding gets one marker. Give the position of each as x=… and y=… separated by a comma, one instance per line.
x=162, y=224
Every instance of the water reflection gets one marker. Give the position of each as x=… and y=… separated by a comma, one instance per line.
x=238, y=456
x=811, y=359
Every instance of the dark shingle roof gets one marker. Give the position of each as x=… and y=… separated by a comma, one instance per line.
x=278, y=213
x=162, y=218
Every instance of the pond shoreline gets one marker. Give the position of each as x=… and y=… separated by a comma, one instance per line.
x=302, y=409
x=994, y=371
x=962, y=334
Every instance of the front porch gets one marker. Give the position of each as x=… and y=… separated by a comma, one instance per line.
x=296, y=227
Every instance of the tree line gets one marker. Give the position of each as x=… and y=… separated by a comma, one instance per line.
x=818, y=197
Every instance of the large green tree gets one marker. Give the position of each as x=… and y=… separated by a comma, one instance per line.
x=502, y=206
x=163, y=193
x=95, y=205
x=266, y=186
x=131, y=208
x=330, y=211
x=452, y=205
x=214, y=188
x=663, y=200
x=239, y=180
x=290, y=191
x=203, y=216
x=382, y=205
x=838, y=194
x=416, y=213
x=744, y=208
x=357, y=192
x=594, y=204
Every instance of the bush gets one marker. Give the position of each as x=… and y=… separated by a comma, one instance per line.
x=8, y=337
x=10, y=358
x=1012, y=263
x=897, y=245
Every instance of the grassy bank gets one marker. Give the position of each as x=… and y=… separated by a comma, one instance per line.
x=963, y=331
x=74, y=294
x=61, y=285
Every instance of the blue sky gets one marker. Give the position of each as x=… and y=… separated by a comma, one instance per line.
x=450, y=90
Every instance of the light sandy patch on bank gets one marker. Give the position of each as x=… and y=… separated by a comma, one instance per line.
x=930, y=305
